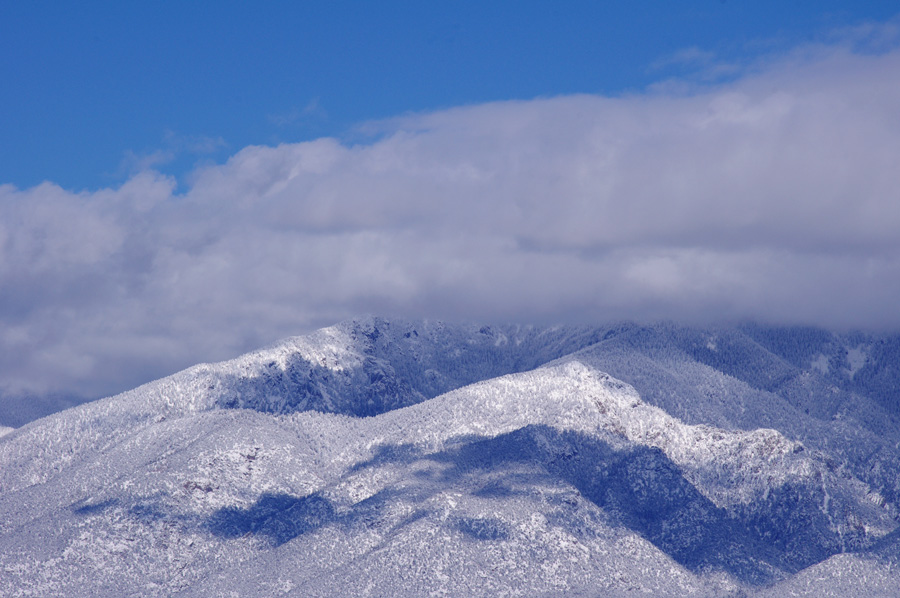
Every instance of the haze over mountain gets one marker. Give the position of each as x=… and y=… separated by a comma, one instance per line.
x=390, y=457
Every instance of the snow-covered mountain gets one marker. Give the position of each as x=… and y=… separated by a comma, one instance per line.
x=394, y=458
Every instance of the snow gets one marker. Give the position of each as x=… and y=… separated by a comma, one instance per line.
x=820, y=363
x=856, y=359
x=479, y=472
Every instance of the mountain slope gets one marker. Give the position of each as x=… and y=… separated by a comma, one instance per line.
x=747, y=387
x=559, y=480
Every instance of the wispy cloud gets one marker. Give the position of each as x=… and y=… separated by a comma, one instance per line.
x=174, y=145
x=868, y=36
x=311, y=112
x=772, y=196
x=692, y=56
x=134, y=162
x=193, y=144
x=693, y=66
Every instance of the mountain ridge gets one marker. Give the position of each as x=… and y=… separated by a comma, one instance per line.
x=280, y=453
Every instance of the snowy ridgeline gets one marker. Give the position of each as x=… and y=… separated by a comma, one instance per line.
x=256, y=477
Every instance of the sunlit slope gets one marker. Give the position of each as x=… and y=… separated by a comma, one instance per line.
x=258, y=476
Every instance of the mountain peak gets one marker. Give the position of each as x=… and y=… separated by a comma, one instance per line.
x=412, y=457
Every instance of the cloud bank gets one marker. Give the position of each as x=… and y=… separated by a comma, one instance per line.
x=774, y=197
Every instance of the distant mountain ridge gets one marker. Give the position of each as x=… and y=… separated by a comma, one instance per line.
x=18, y=409
x=413, y=457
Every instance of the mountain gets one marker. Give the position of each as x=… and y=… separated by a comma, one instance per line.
x=398, y=458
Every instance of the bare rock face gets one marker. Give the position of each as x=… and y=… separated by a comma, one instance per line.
x=390, y=458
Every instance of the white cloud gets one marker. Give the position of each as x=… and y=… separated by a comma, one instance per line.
x=771, y=197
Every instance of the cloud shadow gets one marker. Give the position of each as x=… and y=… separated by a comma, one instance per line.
x=639, y=488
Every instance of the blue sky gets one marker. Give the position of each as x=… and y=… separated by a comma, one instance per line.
x=181, y=182
x=96, y=90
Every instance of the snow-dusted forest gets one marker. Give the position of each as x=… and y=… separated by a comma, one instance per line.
x=412, y=458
